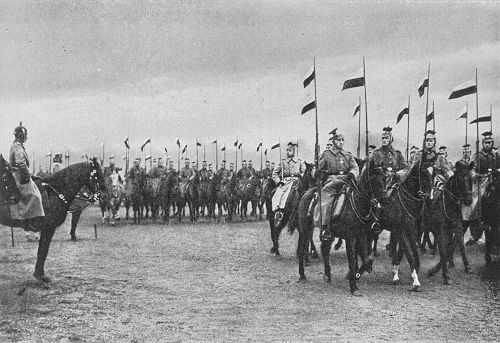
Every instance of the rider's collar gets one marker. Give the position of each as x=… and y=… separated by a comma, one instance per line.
x=336, y=150
x=291, y=159
x=387, y=148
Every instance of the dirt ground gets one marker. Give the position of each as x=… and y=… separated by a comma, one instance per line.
x=216, y=282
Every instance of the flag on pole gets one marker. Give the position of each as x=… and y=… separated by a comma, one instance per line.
x=223, y=148
x=49, y=154
x=178, y=142
x=275, y=145
x=184, y=149
x=214, y=141
x=259, y=146
x=422, y=86
x=124, y=157
x=198, y=143
x=430, y=116
x=401, y=114
x=66, y=155
x=146, y=142
x=463, y=113
x=236, y=143
x=310, y=100
x=239, y=145
x=265, y=152
x=125, y=140
x=357, y=79
x=466, y=88
x=102, y=144
x=166, y=151
x=481, y=120
x=148, y=157
x=358, y=107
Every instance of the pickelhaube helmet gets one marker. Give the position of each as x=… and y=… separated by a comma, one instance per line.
x=20, y=129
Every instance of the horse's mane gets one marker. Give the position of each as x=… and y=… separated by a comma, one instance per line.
x=70, y=170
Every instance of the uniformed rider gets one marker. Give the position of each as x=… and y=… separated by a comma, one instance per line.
x=29, y=207
x=285, y=175
x=337, y=165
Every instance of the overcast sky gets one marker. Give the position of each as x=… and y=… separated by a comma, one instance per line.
x=79, y=73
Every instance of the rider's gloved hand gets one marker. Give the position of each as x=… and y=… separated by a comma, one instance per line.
x=351, y=176
x=36, y=178
x=396, y=177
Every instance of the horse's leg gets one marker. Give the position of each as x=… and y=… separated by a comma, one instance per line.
x=442, y=242
x=326, y=247
x=351, y=256
x=302, y=249
x=412, y=256
x=75, y=217
x=43, y=250
x=314, y=252
x=459, y=240
x=375, y=243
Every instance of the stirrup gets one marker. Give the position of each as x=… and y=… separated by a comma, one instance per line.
x=376, y=228
x=326, y=235
x=278, y=215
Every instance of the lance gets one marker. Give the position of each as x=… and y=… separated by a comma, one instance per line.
x=466, y=120
x=197, y=163
x=358, y=150
x=477, y=147
x=316, y=148
x=33, y=162
x=216, y=154
x=366, y=106
x=427, y=101
x=408, y=133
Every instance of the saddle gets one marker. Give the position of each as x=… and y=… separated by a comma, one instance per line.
x=338, y=203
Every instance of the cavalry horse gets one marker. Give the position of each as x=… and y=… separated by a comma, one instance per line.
x=168, y=193
x=211, y=195
x=134, y=196
x=153, y=197
x=447, y=205
x=289, y=214
x=58, y=191
x=352, y=225
x=491, y=217
x=225, y=197
x=110, y=201
x=188, y=194
x=245, y=192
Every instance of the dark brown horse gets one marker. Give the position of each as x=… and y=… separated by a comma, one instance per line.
x=168, y=193
x=290, y=212
x=491, y=217
x=245, y=192
x=59, y=191
x=226, y=198
x=134, y=195
x=188, y=195
x=352, y=225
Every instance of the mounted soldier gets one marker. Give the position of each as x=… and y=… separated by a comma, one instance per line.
x=337, y=165
x=486, y=163
x=136, y=174
x=29, y=206
x=187, y=173
x=244, y=173
x=442, y=151
x=267, y=172
x=222, y=172
x=432, y=161
x=204, y=175
x=285, y=176
x=251, y=168
x=388, y=158
x=413, y=153
x=57, y=163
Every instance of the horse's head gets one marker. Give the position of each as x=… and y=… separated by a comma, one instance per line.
x=307, y=179
x=8, y=187
x=461, y=182
x=377, y=181
x=95, y=181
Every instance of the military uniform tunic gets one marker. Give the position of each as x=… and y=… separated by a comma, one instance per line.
x=336, y=164
x=291, y=169
x=244, y=173
x=30, y=202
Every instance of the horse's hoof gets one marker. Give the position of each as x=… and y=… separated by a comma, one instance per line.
x=314, y=255
x=278, y=257
x=327, y=278
x=415, y=289
x=447, y=281
x=396, y=282
x=307, y=262
x=73, y=238
x=431, y=272
x=302, y=279
x=356, y=293
x=42, y=278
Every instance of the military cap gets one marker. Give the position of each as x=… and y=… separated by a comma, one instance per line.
x=487, y=136
x=249, y=161
x=336, y=135
x=268, y=162
x=430, y=134
x=111, y=157
x=203, y=161
x=20, y=129
x=210, y=164
x=154, y=160
x=387, y=131
x=414, y=148
x=186, y=159
x=223, y=161
x=292, y=144
x=466, y=146
x=231, y=164
x=442, y=147
x=371, y=146
x=138, y=159
x=243, y=161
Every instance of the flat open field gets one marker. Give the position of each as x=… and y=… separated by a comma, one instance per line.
x=217, y=282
